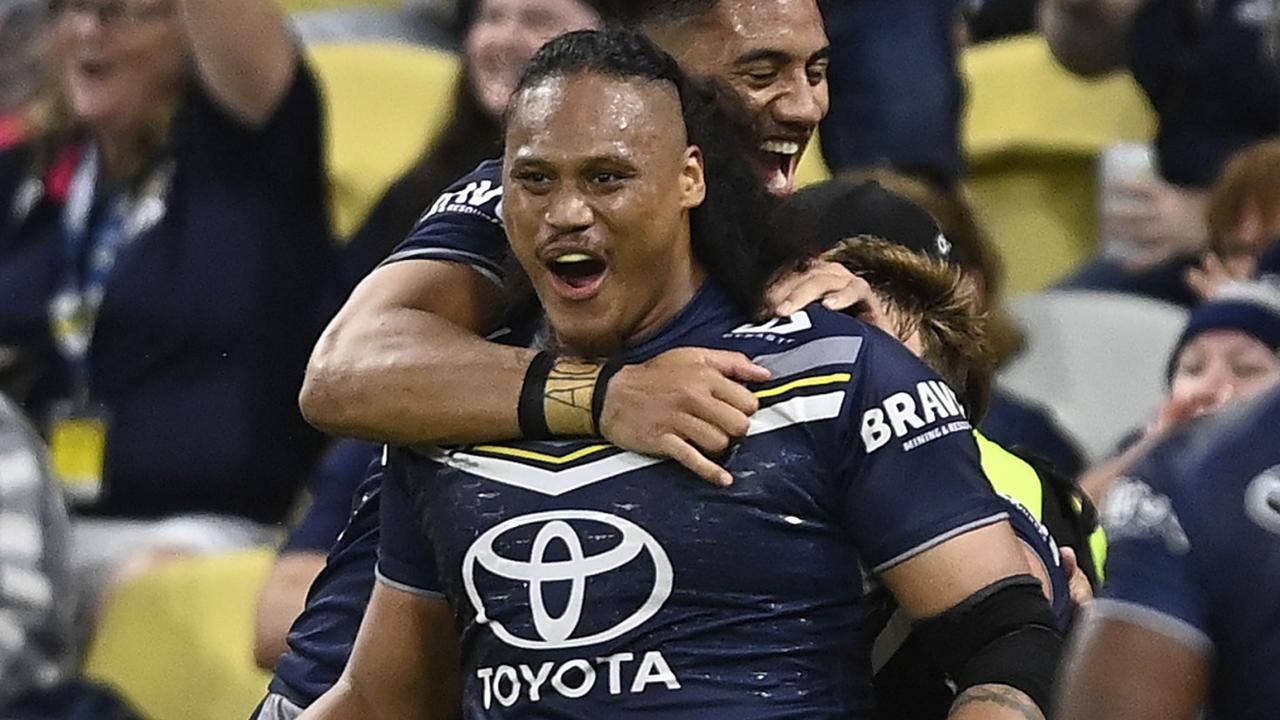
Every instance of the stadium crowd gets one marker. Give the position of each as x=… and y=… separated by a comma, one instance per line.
x=614, y=390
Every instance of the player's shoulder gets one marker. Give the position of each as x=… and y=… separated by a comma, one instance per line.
x=476, y=194
x=463, y=225
x=814, y=333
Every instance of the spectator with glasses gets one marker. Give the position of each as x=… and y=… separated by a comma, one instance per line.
x=164, y=253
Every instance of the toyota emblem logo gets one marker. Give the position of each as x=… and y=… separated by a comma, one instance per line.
x=537, y=571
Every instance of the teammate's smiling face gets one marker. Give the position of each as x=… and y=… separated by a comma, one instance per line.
x=599, y=181
x=774, y=53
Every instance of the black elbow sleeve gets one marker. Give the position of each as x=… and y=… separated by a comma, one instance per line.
x=1003, y=634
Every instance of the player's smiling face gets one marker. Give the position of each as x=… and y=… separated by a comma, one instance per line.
x=599, y=181
x=774, y=53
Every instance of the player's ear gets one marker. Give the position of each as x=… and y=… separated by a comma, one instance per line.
x=693, y=182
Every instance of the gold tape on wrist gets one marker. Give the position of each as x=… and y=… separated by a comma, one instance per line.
x=566, y=397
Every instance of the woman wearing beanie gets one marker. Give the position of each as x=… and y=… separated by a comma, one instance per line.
x=1229, y=350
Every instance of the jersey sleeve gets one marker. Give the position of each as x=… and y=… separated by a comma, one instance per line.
x=1150, y=578
x=913, y=477
x=463, y=225
x=333, y=495
x=405, y=561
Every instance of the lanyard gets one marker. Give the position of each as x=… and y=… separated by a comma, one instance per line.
x=91, y=244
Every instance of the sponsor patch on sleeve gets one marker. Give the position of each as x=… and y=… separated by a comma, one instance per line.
x=914, y=417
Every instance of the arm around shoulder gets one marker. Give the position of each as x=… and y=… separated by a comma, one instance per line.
x=403, y=360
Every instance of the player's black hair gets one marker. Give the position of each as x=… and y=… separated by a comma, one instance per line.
x=652, y=14
x=648, y=13
x=730, y=230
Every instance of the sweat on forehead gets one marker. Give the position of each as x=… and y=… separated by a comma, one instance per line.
x=593, y=104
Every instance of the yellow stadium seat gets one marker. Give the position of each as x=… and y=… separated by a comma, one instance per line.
x=177, y=641
x=1032, y=134
x=384, y=104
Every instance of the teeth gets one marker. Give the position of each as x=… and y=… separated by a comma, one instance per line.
x=780, y=147
x=574, y=258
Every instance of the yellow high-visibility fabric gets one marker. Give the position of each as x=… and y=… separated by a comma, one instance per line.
x=1011, y=475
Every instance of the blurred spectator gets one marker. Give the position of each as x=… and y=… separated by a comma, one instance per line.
x=334, y=497
x=1209, y=70
x=896, y=97
x=1009, y=421
x=21, y=29
x=164, y=259
x=21, y=32
x=499, y=38
x=1229, y=350
x=37, y=596
x=1243, y=218
x=22, y=23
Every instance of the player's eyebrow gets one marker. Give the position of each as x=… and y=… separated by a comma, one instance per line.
x=777, y=56
x=763, y=55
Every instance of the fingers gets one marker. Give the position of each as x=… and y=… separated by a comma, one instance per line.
x=1070, y=563
x=705, y=436
x=778, y=293
x=736, y=366
x=855, y=291
x=730, y=395
x=682, y=452
x=827, y=281
x=1077, y=582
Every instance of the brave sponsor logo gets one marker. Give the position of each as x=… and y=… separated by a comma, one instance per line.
x=914, y=417
x=470, y=199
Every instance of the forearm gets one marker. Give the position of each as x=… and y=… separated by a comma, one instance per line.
x=243, y=53
x=413, y=378
x=1089, y=37
x=994, y=702
x=344, y=701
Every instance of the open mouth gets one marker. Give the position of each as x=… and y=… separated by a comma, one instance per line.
x=576, y=274
x=778, y=160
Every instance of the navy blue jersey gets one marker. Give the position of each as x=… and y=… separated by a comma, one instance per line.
x=321, y=638
x=463, y=225
x=1195, y=552
x=589, y=581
